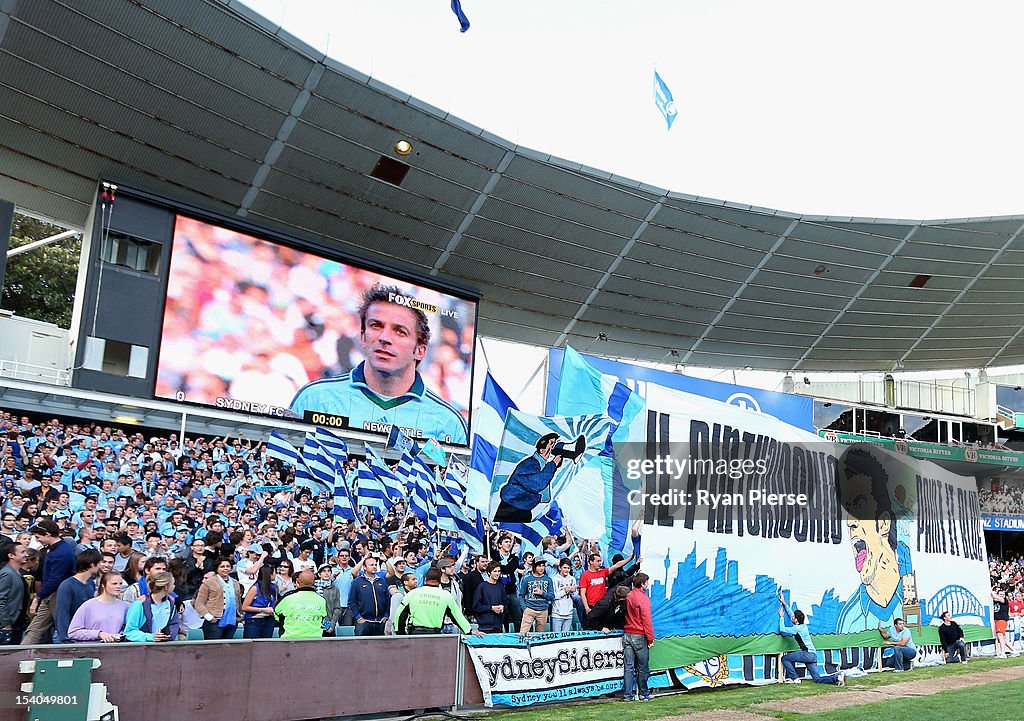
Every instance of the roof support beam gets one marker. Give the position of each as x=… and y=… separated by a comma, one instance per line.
x=603, y=280
x=474, y=209
x=970, y=284
x=735, y=296
x=287, y=126
x=856, y=296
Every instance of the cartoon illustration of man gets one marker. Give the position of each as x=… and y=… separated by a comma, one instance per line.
x=386, y=387
x=880, y=558
x=529, y=484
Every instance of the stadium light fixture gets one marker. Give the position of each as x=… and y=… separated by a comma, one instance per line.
x=403, y=147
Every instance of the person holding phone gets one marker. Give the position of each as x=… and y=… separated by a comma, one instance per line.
x=101, y=618
x=153, y=617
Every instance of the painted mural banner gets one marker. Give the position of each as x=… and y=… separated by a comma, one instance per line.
x=523, y=669
x=739, y=506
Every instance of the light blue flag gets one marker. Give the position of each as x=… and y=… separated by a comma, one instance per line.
x=584, y=389
x=422, y=490
x=282, y=450
x=538, y=458
x=432, y=450
x=488, y=425
x=663, y=100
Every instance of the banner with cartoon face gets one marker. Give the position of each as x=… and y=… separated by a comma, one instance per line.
x=739, y=507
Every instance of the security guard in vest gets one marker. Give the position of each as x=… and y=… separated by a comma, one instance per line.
x=427, y=605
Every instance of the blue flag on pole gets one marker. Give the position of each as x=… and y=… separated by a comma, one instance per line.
x=279, y=448
x=379, y=487
x=663, y=99
x=432, y=450
x=584, y=389
x=488, y=425
x=398, y=440
x=452, y=514
x=422, y=490
x=463, y=20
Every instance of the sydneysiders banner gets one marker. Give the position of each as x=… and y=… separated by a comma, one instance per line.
x=519, y=670
x=255, y=326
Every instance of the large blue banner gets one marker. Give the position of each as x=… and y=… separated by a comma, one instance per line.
x=793, y=410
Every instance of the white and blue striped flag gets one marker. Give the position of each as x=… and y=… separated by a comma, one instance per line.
x=379, y=487
x=282, y=450
x=422, y=490
x=453, y=515
x=488, y=425
x=324, y=455
x=550, y=524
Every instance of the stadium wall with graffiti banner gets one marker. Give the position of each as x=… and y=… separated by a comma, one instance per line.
x=740, y=506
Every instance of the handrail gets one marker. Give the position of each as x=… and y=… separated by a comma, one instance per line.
x=40, y=374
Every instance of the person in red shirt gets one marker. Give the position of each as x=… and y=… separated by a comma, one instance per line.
x=1017, y=614
x=637, y=639
x=594, y=581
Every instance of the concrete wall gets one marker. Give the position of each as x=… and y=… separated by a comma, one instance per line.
x=262, y=680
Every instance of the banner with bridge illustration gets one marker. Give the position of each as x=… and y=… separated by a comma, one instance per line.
x=740, y=506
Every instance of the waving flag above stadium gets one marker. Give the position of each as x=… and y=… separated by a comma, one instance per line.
x=463, y=20
x=663, y=100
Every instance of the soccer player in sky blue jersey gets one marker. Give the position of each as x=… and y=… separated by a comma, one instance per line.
x=386, y=388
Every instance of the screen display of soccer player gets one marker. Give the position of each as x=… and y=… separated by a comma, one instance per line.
x=255, y=326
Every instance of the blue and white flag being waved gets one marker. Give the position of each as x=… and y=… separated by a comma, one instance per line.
x=488, y=425
x=600, y=508
x=379, y=487
x=422, y=488
x=282, y=450
x=663, y=99
x=539, y=456
x=402, y=443
x=452, y=513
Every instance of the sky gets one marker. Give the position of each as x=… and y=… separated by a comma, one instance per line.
x=892, y=110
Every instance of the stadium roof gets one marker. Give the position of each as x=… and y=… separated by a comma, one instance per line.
x=211, y=104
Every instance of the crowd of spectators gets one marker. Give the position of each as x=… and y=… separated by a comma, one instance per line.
x=1004, y=499
x=113, y=536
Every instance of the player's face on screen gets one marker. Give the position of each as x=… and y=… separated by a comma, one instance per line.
x=389, y=341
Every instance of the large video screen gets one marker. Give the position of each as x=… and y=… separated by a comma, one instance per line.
x=255, y=326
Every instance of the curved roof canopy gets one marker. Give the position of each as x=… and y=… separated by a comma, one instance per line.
x=209, y=103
